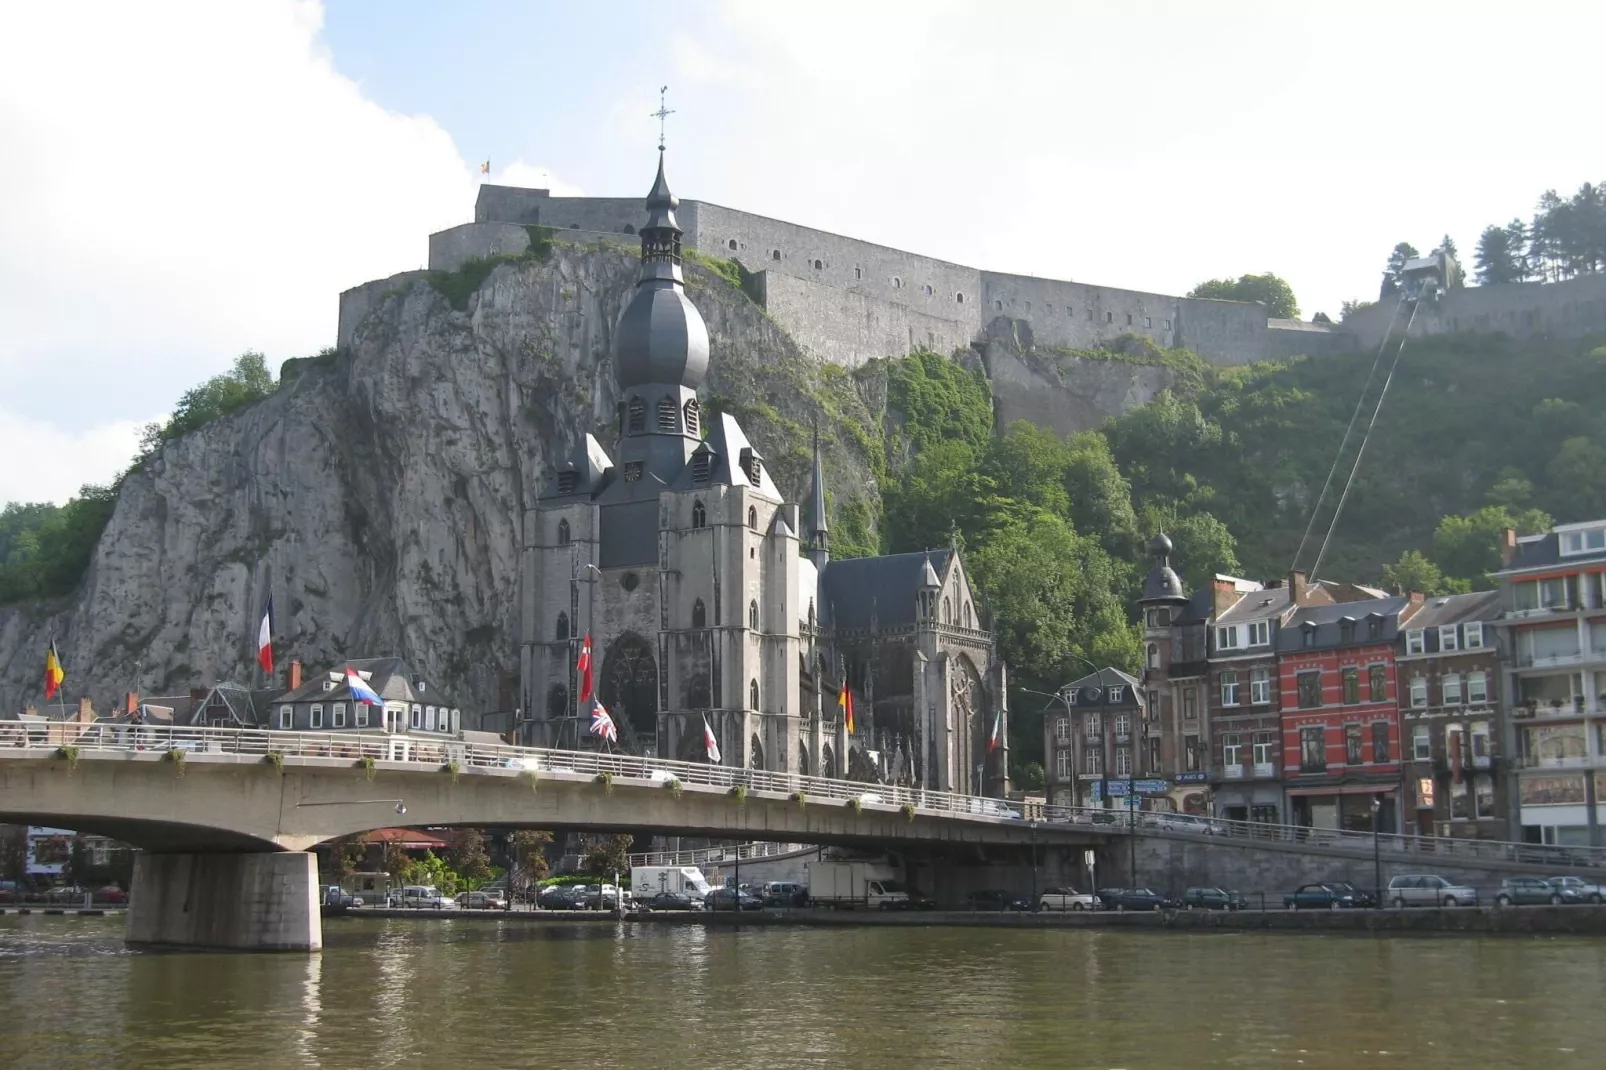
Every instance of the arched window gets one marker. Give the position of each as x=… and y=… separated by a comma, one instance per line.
x=928, y=289
x=775, y=254
x=731, y=244
x=752, y=694
x=967, y=615
x=858, y=273
x=637, y=421
x=752, y=517
x=693, y=412
x=819, y=265
x=803, y=760
x=699, y=515
x=629, y=229
x=752, y=615
x=1154, y=656
x=667, y=411
x=947, y=611
x=699, y=614
x=563, y=627
x=897, y=283
x=998, y=306
x=959, y=299
x=756, y=759
x=563, y=533
x=827, y=761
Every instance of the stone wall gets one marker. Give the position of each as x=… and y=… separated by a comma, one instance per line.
x=234, y=902
x=1523, y=309
x=848, y=327
x=1222, y=332
x=1075, y=315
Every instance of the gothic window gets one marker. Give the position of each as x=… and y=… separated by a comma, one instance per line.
x=697, y=693
x=827, y=761
x=563, y=626
x=752, y=517
x=563, y=533
x=803, y=760
x=636, y=421
x=667, y=410
x=701, y=463
x=699, y=614
x=568, y=482
x=947, y=611
x=629, y=688
x=699, y=515
x=557, y=701
x=752, y=615
x=692, y=411
x=756, y=760
x=752, y=694
x=967, y=615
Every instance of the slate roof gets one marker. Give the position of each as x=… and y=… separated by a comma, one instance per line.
x=853, y=587
x=727, y=449
x=1329, y=620
x=389, y=677
x=1544, y=551
x=1457, y=609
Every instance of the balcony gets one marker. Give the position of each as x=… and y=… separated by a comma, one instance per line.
x=1542, y=611
x=1528, y=761
x=1554, y=661
x=1558, y=711
x=1265, y=769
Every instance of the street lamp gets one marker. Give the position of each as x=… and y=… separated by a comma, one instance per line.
x=1377, y=857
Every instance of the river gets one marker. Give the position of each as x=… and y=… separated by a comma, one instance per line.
x=491, y=994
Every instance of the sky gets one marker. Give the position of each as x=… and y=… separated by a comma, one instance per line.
x=184, y=181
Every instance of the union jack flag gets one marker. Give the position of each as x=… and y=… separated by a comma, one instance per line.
x=602, y=724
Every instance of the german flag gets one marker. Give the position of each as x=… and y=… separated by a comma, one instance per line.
x=54, y=674
x=844, y=700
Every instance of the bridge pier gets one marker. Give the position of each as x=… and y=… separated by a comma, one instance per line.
x=225, y=902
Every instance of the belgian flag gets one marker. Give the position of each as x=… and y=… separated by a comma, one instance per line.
x=844, y=699
x=54, y=674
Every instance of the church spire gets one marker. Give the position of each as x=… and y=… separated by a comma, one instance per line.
x=819, y=537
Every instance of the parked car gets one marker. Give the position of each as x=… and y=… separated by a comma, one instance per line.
x=113, y=894
x=732, y=899
x=1532, y=891
x=1211, y=899
x=336, y=896
x=600, y=897
x=556, y=897
x=65, y=893
x=420, y=897
x=1428, y=890
x=993, y=899
x=10, y=892
x=481, y=900
x=670, y=901
x=1135, y=899
x=1586, y=892
x=1362, y=897
x=1067, y=899
x=1319, y=897
x=1201, y=826
x=784, y=894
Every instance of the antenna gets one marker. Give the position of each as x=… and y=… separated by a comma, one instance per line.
x=664, y=111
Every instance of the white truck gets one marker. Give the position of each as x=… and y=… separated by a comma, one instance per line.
x=648, y=881
x=845, y=885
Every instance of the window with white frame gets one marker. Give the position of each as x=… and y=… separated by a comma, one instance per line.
x=1261, y=742
x=1419, y=691
x=1450, y=684
x=429, y=718
x=1062, y=728
x=317, y=715
x=1122, y=724
x=1421, y=743
x=1557, y=593
x=1472, y=635
x=1232, y=749
x=418, y=717
x=362, y=715
x=1093, y=761
x=1414, y=643
x=1118, y=694
x=1447, y=639
x=1477, y=687
x=1095, y=722
x=287, y=716
x=1123, y=761
x=1260, y=633
x=1062, y=764
x=337, y=718
x=1229, y=689
x=1228, y=638
x=1259, y=687
x=1590, y=541
x=1190, y=703
x=457, y=718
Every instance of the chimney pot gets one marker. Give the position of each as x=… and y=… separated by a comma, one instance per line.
x=1296, y=587
x=131, y=702
x=295, y=675
x=1508, y=546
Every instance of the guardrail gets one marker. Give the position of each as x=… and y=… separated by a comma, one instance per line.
x=507, y=759
x=716, y=855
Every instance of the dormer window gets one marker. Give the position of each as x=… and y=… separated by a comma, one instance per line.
x=753, y=466
x=328, y=685
x=636, y=416
x=692, y=413
x=1589, y=541
x=667, y=411
x=702, y=463
x=568, y=483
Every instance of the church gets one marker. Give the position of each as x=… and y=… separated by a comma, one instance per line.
x=708, y=596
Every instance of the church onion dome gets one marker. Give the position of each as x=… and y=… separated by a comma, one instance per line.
x=661, y=337
x=1162, y=584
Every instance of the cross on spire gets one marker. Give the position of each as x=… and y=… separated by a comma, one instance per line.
x=663, y=112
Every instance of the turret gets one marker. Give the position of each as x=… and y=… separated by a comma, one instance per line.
x=819, y=541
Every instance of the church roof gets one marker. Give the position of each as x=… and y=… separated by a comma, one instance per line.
x=586, y=472
x=723, y=459
x=856, y=587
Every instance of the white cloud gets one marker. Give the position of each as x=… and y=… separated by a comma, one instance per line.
x=47, y=464
x=519, y=173
x=184, y=181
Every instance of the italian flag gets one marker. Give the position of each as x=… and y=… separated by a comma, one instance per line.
x=997, y=737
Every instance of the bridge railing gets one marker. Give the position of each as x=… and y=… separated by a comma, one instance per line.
x=704, y=856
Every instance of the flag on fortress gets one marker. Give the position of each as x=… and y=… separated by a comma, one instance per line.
x=485, y=168
x=998, y=732
x=583, y=667
x=54, y=673
x=710, y=744
x=265, y=638
x=360, y=691
x=844, y=699
x=602, y=724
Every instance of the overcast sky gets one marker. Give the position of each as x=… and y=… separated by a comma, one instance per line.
x=180, y=182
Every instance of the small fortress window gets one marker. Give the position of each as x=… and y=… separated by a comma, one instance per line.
x=731, y=244
x=959, y=299
x=629, y=229
x=701, y=462
x=699, y=614
x=752, y=615
x=858, y=273
x=667, y=413
x=699, y=515
x=1028, y=306
x=929, y=290
x=692, y=411
x=1109, y=317
x=1148, y=321
x=1129, y=319
x=562, y=632
x=775, y=254
x=897, y=283
x=998, y=306
x=563, y=533
x=1167, y=324
x=568, y=483
x=819, y=265
x=574, y=226
x=636, y=421
x=752, y=517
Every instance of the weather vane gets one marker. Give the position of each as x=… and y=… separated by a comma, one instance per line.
x=663, y=112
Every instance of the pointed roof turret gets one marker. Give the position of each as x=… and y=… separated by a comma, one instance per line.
x=928, y=575
x=661, y=203
x=818, y=528
x=661, y=337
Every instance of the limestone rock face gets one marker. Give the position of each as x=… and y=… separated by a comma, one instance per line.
x=379, y=496
x=1063, y=392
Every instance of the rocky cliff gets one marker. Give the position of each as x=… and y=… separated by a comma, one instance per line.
x=378, y=495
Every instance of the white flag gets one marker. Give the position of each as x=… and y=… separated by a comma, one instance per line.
x=710, y=744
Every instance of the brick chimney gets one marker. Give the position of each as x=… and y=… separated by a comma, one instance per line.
x=131, y=702
x=1298, y=590
x=86, y=711
x=1508, y=546
x=1224, y=593
x=295, y=676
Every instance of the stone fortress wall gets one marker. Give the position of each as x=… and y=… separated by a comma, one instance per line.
x=847, y=301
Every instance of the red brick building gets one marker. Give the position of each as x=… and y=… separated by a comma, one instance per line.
x=1340, y=720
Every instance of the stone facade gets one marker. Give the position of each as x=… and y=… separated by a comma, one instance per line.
x=1567, y=309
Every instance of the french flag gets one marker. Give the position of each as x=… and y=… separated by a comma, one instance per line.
x=360, y=691
x=265, y=638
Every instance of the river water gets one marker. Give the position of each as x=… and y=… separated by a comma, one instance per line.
x=507, y=994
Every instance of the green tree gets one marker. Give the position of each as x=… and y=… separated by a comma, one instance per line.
x=1498, y=260
x=467, y=856
x=607, y=855
x=246, y=382
x=528, y=865
x=1267, y=289
x=1414, y=572
x=1468, y=547
x=1391, y=274
x=1577, y=476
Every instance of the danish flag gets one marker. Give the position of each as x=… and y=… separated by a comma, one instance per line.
x=583, y=667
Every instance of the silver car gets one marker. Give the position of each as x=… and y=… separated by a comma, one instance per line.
x=1428, y=890
x=1586, y=892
